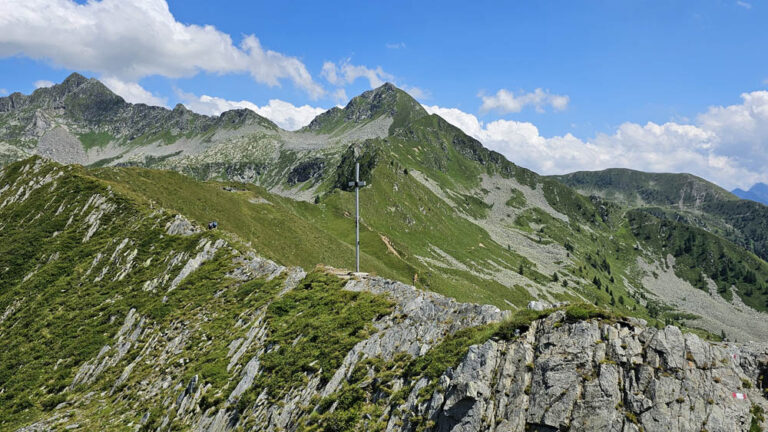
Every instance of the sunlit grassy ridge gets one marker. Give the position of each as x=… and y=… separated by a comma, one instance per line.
x=304, y=234
x=66, y=295
x=411, y=231
x=64, y=300
x=405, y=224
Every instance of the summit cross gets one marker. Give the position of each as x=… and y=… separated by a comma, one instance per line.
x=357, y=185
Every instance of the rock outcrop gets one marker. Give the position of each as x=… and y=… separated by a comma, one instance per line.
x=596, y=376
x=558, y=374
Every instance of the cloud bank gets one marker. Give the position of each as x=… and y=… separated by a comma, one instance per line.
x=129, y=40
x=346, y=73
x=133, y=92
x=725, y=144
x=505, y=101
x=284, y=114
x=42, y=84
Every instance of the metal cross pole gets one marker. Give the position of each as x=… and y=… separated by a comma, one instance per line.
x=357, y=184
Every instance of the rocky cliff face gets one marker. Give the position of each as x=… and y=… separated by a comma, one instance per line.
x=115, y=315
x=600, y=376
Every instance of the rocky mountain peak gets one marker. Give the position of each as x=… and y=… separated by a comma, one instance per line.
x=384, y=89
x=243, y=116
x=385, y=100
x=85, y=98
x=74, y=80
x=80, y=91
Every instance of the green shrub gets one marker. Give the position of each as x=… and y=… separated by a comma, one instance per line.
x=51, y=402
x=312, y=327
x=519, y=323
x=585, y=311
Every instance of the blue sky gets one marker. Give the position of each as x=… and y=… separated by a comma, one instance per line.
x=652, y=85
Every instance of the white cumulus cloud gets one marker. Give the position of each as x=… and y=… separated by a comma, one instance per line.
x=417, y=92
x=3, y=92
x=340, y=96
x=505, y=101
x=133, y=92
x=742, y=129
x=726, y=145
x=130, y=40
x=346, y=73
x=284, y=114
x=43, y=83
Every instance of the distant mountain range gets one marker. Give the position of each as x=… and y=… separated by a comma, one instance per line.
x=680, y=197
x=758, y=192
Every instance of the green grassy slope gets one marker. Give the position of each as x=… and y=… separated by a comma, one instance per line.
x=67, y=291
x=699, y=254
x=404, y=223
x=60, y=301
x=411, y=230
x=304, y=234
x=65, y=294
x=632, y=187
x=684, y=197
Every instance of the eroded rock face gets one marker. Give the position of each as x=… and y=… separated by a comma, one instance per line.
x=596, y=376
x=60, y=145
x=304, y=171
x=181, y=226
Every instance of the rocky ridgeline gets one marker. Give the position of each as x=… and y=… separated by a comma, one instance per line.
x=81, y=121
x=367, y=106
x=557, y=375
x=85, y=105
x=597, y=376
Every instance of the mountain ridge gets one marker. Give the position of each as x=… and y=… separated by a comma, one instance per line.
x=686, y=190
x=461, y=219
x=385, y=100
x=163, y=324
x=98, y=94
x=758, y=192
x=680, y=196
x=122, y=311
